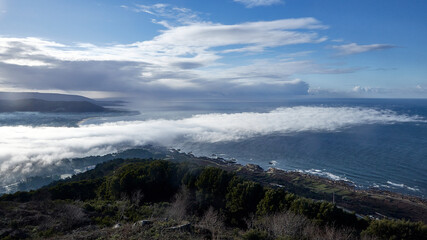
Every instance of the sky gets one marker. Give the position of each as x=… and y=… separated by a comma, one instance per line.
x=222, y=49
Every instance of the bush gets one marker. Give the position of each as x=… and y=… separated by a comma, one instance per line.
x=242, y=199
x=154, y=181
x=255, y=235
x=396, y=229
x=275, y=200
x=81, y=190
x=211, y=186
x=213, y=180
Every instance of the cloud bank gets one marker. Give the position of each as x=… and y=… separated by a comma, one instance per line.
x=28, y=151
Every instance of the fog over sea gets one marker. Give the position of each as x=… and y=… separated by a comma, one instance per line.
x=379, y=143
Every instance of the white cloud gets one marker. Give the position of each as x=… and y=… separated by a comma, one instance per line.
x=274, y=72
x=257, y=3
x=26, y=151
x=256, y=35
x=359, y=89
x=354, y=48
x=337, y=40
x=402, y=92
x=179, y=58
x=192, y=42
x=179, y=14
x=26, y=62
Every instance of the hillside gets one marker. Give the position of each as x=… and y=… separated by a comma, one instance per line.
x=185, y=197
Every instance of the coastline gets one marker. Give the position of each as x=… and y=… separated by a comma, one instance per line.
x=371, y=202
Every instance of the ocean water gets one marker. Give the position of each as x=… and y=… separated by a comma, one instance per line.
x=371, y=143
x=390, y=156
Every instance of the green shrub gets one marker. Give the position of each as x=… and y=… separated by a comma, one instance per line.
x=242, y=199
x=153, y=181
x=211, y=188
x=255, y=235
x=275, y=200
x=82, y=190
x=18, y=196
x=396, y=230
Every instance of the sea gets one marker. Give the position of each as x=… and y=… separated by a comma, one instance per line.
x=370, y=143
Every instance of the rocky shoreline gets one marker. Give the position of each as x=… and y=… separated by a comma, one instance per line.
x=371, y=202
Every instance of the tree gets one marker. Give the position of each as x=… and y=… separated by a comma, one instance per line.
x=396, y=230
x=211, y=187
x=242, y=199
x=275, y=200
x=155, y=181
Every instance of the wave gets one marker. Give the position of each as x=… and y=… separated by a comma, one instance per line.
x=273, y=163
x=401, y=185
x=321, y=173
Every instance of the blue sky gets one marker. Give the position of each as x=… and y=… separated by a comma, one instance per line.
x=215, y=49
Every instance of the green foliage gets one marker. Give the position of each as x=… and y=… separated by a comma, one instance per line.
x=213, y=180
x=101, y=170
x=211, y=188
x=242, y=199
x=137, y=189
x=255, y=235
x=47, y=233
x=396, y=230
x=106, y=213
x=153, y=181
x=81, y=190
x=275, y=200
x=190, y=177
x=18, y=196
x=325, y=213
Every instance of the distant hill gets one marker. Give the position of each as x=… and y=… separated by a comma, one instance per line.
x=13, y=96
x=43, y=96
x=39, y=105
x=51, y=102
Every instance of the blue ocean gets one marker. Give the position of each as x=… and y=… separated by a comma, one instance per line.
x=371, y=143
x=385, y=156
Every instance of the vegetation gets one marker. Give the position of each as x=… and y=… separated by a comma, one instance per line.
x=396, y=229
x=155, y=199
